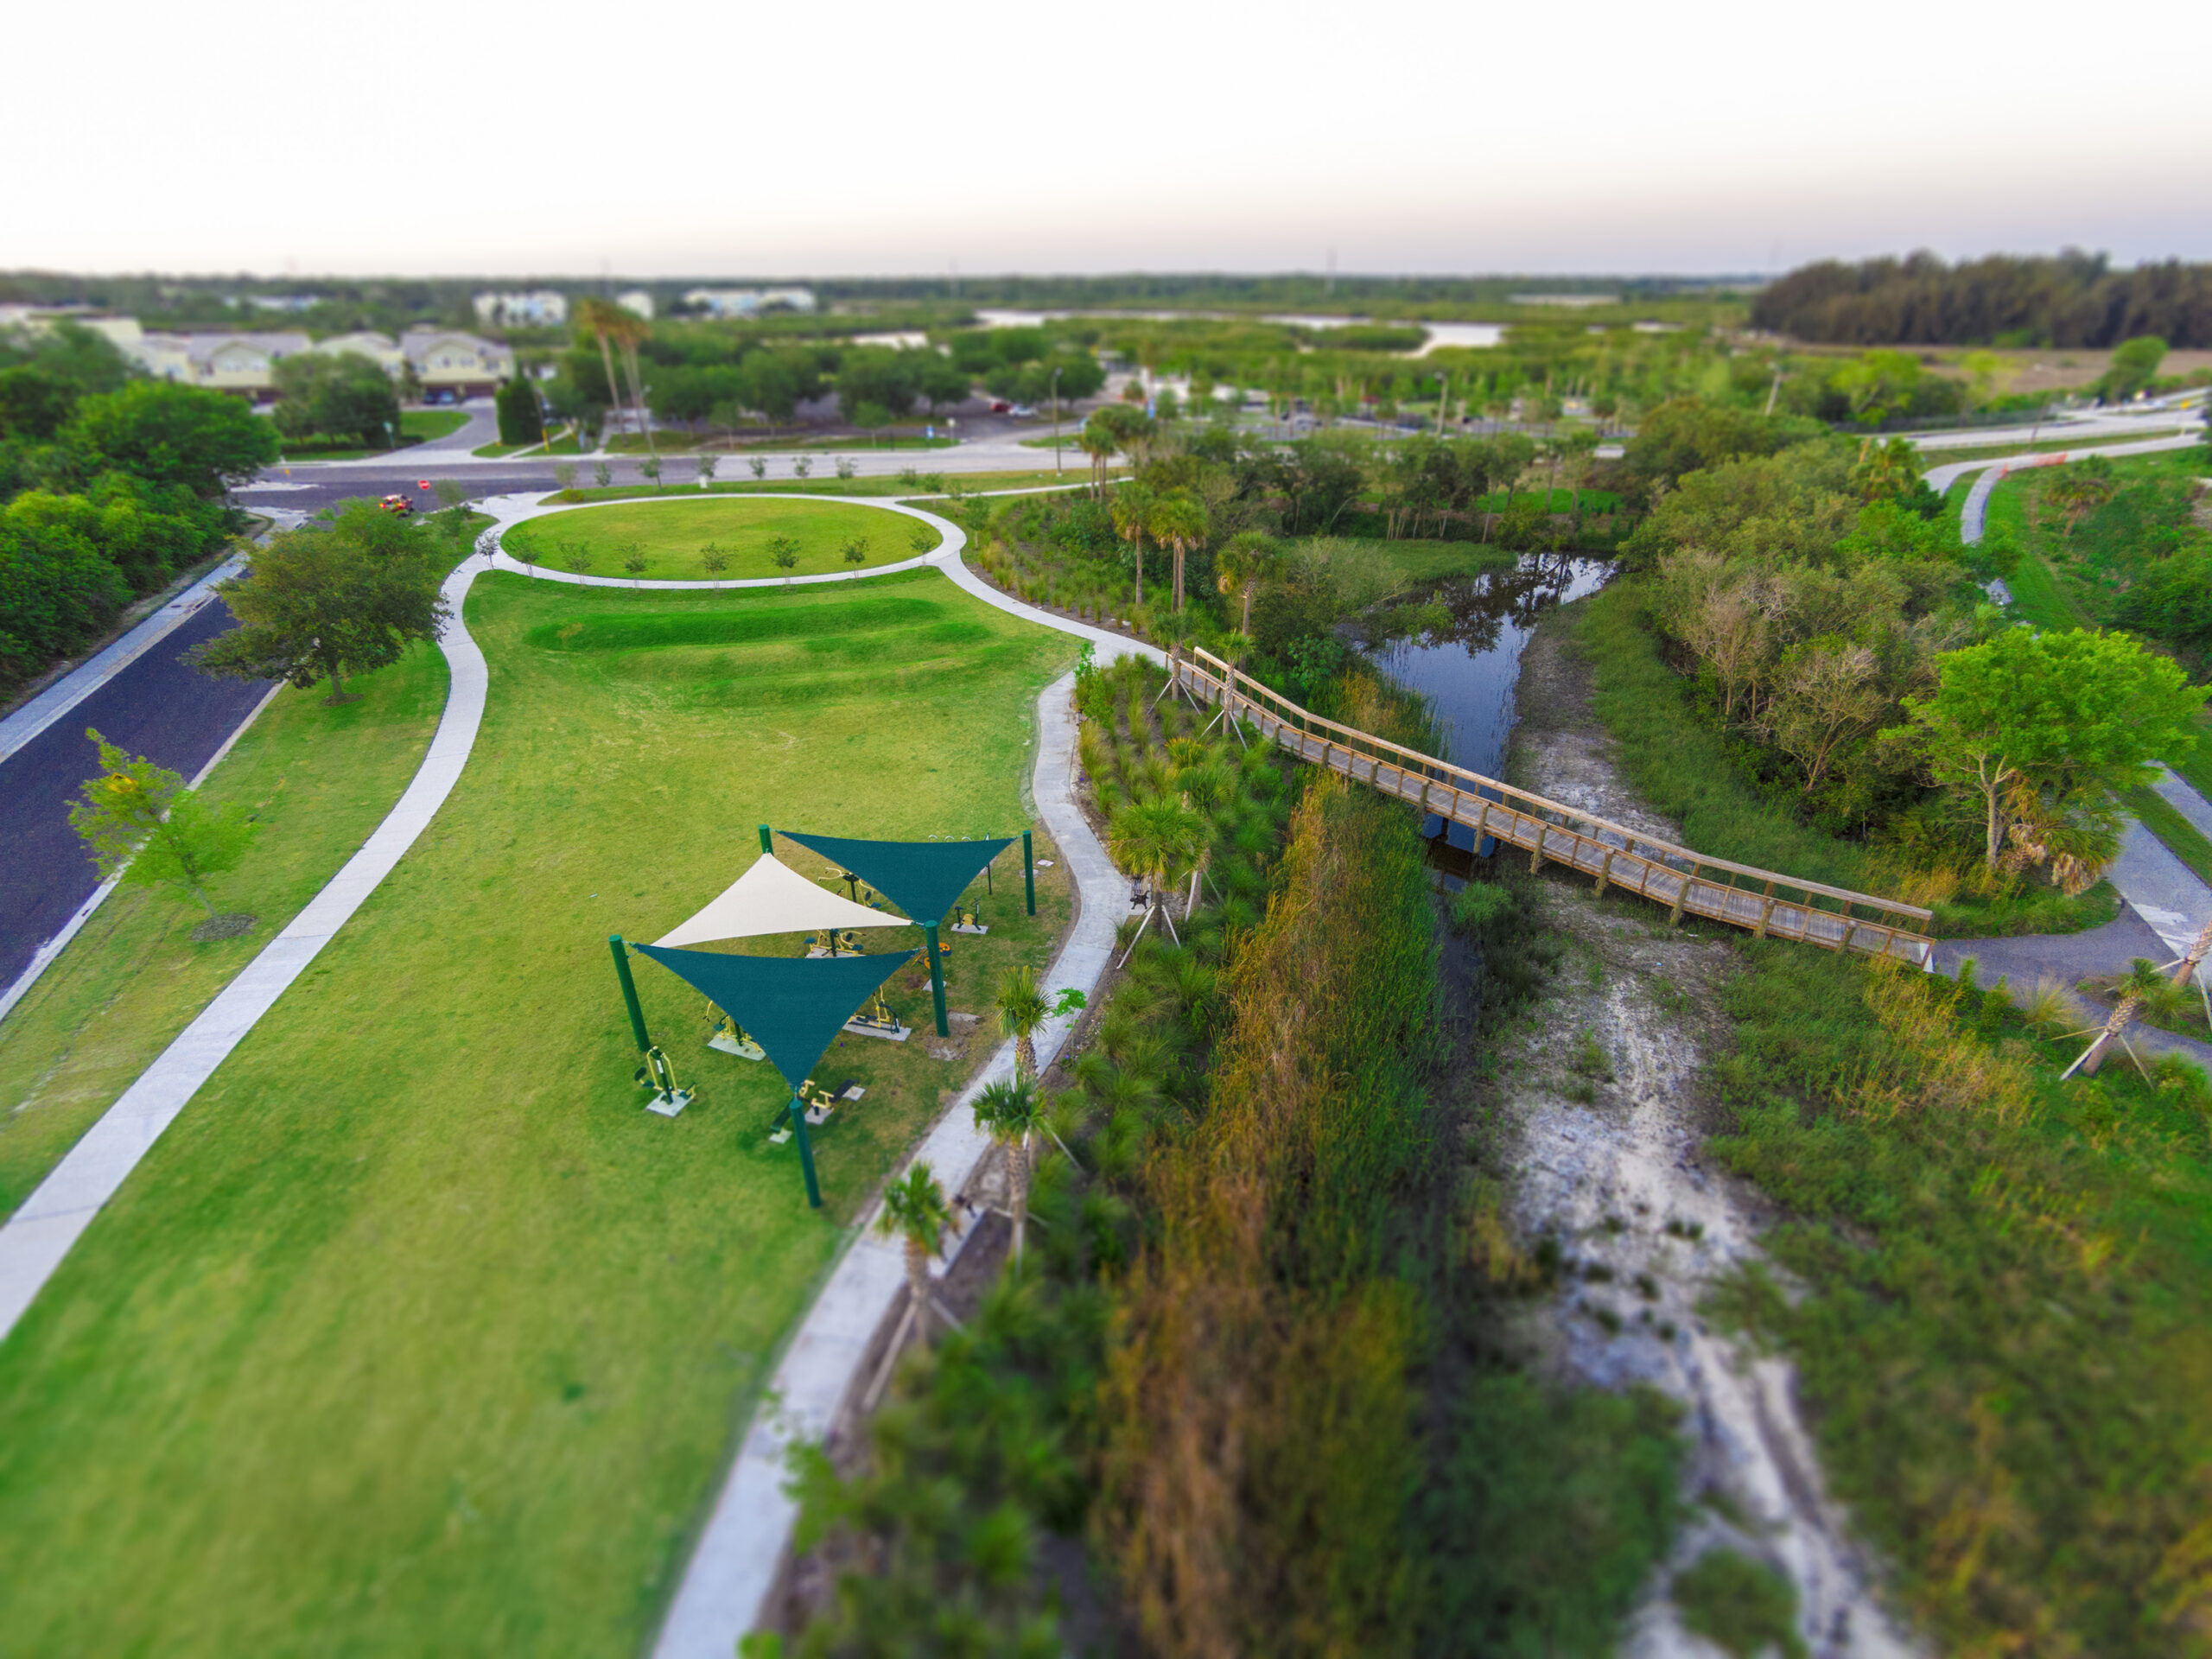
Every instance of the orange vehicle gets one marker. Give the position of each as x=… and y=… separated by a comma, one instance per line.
x=398, y=503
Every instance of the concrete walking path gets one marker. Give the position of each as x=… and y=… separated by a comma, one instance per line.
x=1974, y=515
x=39, y=1234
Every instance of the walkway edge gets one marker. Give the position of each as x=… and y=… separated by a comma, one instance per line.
x=39, y=1234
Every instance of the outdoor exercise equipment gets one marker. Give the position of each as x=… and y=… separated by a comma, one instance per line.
x=965, y=921
x=923, y=877
x=729, y=1037
x=841, y=943
x=877, y=1019
x=793, y=1008
x=657, y=1075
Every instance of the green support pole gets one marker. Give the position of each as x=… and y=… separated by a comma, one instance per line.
x=1029, y=871
x=806, y=1153
x=764, y=840
x=629, y=991
x=937, y=979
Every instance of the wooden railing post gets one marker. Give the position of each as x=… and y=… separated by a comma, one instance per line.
x=1682, y=894
x=1604, y=870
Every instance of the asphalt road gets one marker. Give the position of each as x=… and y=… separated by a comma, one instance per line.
x=158, y=708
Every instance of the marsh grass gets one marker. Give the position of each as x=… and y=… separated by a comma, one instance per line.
x=2008, y=1307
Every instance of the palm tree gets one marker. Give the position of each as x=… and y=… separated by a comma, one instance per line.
x=1010, y=1112
x=1248, y=559
x=915, y=1210
x=1177, y=518
x=2144, y=985
x=1022, y=1010
x=603, y=321
x=1132, y=506
x=611, y=323
x=1158, y=839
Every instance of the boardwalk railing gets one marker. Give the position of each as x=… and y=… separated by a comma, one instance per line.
x=1769, y=904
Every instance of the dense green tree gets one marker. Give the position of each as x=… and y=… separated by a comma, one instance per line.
x=57, y=590
x=878, y=375
x=341, y=395
x=167, y=433
x=2134, y=366
x=520, y=421
x=35, y=402
x=2034, y=723
x=338, y=597
x=1686, y=434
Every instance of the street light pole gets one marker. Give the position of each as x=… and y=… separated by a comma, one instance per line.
x=1056, y=422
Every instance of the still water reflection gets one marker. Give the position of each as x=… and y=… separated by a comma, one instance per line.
x=1468, y=669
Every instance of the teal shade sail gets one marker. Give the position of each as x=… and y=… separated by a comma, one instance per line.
x=792, y=1007
x=922, y=878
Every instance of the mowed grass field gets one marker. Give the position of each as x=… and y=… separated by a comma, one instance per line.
x=415, y=1333
x=319, y=780
x=673, y=534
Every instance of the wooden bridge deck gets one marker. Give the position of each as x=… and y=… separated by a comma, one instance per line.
x=1764, y=902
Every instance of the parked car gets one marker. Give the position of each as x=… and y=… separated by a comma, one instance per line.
x=1022, y=412
x=1000, y=406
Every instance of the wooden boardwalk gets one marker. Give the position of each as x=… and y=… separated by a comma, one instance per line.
x=1763, y=902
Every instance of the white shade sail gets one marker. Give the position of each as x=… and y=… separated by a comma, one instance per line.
x=773, y=898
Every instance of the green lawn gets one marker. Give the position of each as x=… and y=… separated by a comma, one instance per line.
x=672, y=532
x=420, y=425
x=415, y=1334
x=2037, y=594
x=321, y=780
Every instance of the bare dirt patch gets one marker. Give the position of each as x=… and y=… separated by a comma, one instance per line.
x=1602, y=1099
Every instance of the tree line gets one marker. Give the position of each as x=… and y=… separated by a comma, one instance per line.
x=2074, y=299
x=110, y=484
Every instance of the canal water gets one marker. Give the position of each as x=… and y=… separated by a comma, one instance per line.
x=1468, y=670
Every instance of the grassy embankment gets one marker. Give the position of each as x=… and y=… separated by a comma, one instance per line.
x=416, y=426
x=1253, y=1359
x=1683, y=769
x=415, y=1333
x=671, y=536
x=319, y=780
x=2006, y=1337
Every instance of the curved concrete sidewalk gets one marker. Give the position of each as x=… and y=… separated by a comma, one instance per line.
x=39, y=1234
x=1973, y=514
x=734, y=1566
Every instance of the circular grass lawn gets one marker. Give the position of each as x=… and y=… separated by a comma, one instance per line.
x=673, y=535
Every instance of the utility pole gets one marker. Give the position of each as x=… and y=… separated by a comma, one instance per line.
x=1056, y=422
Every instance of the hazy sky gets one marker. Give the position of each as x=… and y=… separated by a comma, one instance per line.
x=800, y=139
